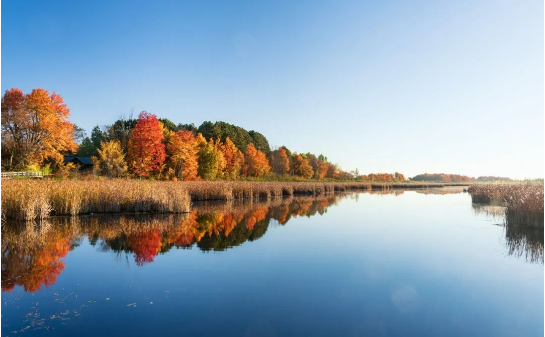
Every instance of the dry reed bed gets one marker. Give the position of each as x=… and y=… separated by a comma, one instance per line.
x=31, y=199
x=229, y=190
x=524, y=201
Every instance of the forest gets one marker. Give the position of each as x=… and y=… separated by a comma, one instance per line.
x=455, y=178
x=37, y=134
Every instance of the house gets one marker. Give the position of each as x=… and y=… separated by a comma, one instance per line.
x=82, y=163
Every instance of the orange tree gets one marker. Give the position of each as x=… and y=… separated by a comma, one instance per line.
x=182, y=150
x=302, y=167
x=35, y=128
x=146, y=147
x=234, y=159
x=280, y=161
x=255, y=162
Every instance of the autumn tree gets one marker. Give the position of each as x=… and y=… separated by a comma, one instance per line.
x=320, y=171
x=332, y=171
x=280, y=161
x=399, y=177
x=234, y=159
x=183, y=159
x=146, y=148
x=110, y=160
x=35, y=128
x=219, y=148
x=255, y=162
x=319, y=166
x=302, y=167
x=207, y=159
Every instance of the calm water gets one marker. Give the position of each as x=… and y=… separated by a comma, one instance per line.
x=401, y=264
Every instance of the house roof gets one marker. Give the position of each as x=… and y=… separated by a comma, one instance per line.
x=82, y=160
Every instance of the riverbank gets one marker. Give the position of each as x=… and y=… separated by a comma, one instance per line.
x=523, y=201
x=31, y=199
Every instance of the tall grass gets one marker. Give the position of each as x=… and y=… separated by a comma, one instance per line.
x=229, y=190
x=29, y=200
x=521, y=240
x=524, y=201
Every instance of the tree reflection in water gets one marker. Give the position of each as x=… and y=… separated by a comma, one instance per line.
x=32, y=253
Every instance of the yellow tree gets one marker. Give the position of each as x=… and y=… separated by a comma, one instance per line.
x=182, y=149
x=256, y=163
x=234, y=159
x=302, y=167
x=207, y=158
x=110, y=160
x=219, y=148
x=35, y=128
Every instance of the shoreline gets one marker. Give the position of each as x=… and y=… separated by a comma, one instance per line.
x=29, y=200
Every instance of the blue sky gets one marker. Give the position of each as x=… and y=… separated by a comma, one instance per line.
x=382, y=86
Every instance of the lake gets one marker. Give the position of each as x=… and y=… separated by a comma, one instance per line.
x=398, y=263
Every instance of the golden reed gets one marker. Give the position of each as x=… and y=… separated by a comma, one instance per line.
x=33, y=199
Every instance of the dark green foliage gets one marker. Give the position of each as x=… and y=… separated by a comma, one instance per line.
x=188, y=127
x=493, y=178
x=167, y=124
x=240, y=137
x=90, y=146
x=121, y=131
x=86, y=148
x=261, y=143
x=442, y=177
x=97, y=136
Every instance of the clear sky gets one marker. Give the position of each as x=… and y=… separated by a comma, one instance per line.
x=382, y=86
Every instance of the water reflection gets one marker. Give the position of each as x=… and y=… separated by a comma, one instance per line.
x=522, y=238
x=443, y=190
x=32, y=253
x=525, y=241
x=374, y=265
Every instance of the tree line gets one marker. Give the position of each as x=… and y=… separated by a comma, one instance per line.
x=36, y=132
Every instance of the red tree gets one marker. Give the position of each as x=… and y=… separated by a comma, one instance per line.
x=146, y=147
